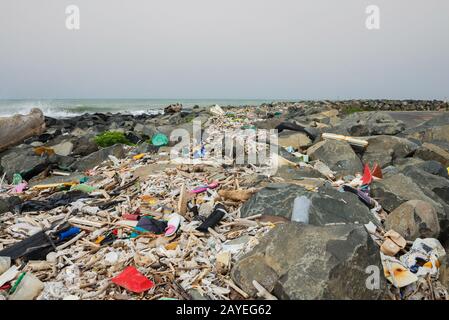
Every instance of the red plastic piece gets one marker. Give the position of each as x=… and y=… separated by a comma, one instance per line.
x=131, y=279
x=377, y=171
x=367, y=177
x=5, y=287
x=129, y=216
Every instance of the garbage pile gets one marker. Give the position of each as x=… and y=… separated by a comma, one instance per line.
x=130, y=226
x=144, y=224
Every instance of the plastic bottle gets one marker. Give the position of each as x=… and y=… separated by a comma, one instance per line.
x=28, y=289
x=301, y=207
x=5, y=263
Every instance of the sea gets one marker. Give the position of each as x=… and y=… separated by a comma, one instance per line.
x=61, y=108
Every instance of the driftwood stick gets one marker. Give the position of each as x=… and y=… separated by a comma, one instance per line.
x=216, y=234
x=262, y=292
x=236, y=288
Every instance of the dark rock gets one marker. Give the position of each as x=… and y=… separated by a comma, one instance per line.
x=297, y=140
x=8, y=204
x=293, y=173
x=268, y=124
x=414, y=219
x=436, y=129
x=166, y=129
x=61, y=161
x=59, y=179
x=432, y=167
x=327, y=205
x=145, y=147
x=296, y=261
x=132, y=137
x=146, y=130
x=385, y=149
x=371, y=123
x=84, y=146
x=434, y=186
x=23, y=161
x=429, y=151
x=337, y=155
x=396, y=189
x=415, y=184
x=96, y=158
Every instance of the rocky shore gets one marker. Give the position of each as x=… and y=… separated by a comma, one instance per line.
x=355, y=191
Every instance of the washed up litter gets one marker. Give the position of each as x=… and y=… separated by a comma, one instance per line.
x=217, y=110
x=204, y=188
x=44, y=151
x=393, y=243
x=395, y=272
x=236, y=195
x=424, y=257
x=310, y=132
x=301, y=207
x=27, y=288
x=54, y=185
x=131, y=279
x=159, y=140
x=147, y=227
x=83, y=188
x=213, y=219
x=350, y=140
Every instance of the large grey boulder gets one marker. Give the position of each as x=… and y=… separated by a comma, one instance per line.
x=434, y=186
x=436, y=129
x=434, y=167
x=84, y=145
x=295, y=173
x=99, y=157
x=385, y=149
x=371, y=123
x=430, y=151
x=14, y=130
x=297, y=140
x=297, y=261
x=414, y=219
x=431, y=166
x=337, y=155
x=147, y=130
x=396, y=189
x=413, y=184
x=23, y=161
x=326, y=206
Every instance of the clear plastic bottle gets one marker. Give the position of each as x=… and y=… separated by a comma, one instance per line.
x=301, y=207
x=28, y=289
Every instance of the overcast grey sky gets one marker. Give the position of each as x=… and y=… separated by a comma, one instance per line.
x=268, y=49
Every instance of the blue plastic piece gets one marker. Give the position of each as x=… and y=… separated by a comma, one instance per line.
x=69, y=233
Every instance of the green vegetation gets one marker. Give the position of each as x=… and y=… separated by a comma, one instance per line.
x=355, y=108
x=109, y=138
x=189, y=118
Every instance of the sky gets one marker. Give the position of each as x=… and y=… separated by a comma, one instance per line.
x=233, y=49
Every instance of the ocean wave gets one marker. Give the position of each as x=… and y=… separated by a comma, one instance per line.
x=66, y=109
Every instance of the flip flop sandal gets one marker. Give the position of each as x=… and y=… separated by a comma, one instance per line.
x=173, y=225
